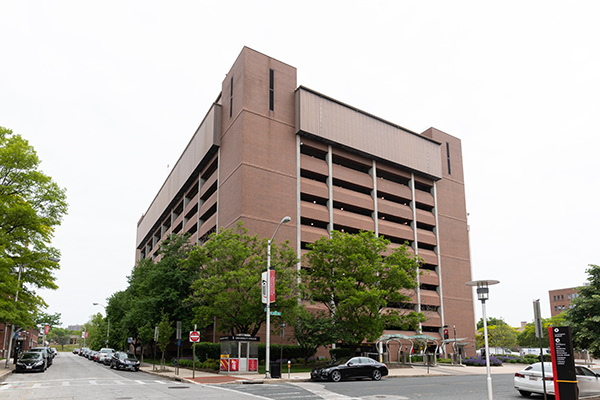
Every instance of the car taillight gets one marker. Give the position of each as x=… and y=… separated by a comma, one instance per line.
x=518, y=375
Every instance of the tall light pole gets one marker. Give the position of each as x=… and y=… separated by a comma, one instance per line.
x=268, y=308
x=12, y=326
x=483, y=294
x=108, y=319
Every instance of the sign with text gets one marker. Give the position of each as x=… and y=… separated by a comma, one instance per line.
x=194, y=336
x=264, y=287
x=563, y=363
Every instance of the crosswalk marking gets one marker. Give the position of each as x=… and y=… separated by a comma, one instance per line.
x=141, y=382
x=66, y=383
x=93, y=383
x=161, y=382
x=119, y=382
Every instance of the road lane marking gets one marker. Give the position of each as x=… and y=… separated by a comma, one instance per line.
x=141, y=382
x=66, y=383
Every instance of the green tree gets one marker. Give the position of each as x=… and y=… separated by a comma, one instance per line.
x=499, y=335
x=60, y=336
x=96, y=327
x=491, y=322
x=229, y=287
x=359, y=280
x=527, y=337
x=31, y=206
x=154, y=285
x=584, y=317
x=165, y=334
x=146, y=334
x=312, y=330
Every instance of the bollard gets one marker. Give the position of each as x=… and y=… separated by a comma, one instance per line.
x=289, y=367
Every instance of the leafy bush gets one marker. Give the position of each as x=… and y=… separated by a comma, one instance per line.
x=480, y=361
x=207, y=351
x=444, y=361
x=208, y=364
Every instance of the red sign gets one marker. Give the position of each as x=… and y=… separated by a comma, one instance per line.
x=253, y=364
x=194, y=336
x=47, y=329
x=234, y=364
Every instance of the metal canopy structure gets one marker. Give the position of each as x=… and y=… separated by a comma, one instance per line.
x=398, y=337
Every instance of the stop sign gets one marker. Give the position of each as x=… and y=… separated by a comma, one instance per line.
x=194, y=336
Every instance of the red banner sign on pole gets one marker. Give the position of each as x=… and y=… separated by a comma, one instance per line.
x=47, y=329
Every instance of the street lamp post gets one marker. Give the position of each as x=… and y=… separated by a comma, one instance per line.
x=12, y=326
x=483, y=294
x=108, y=319
x=268, y=308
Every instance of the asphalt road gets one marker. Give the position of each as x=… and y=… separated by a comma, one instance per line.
x=473, y=387
x=76, y=378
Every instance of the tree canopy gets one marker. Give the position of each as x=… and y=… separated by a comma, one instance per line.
x=31, y=206
x=527, y=337
x=500, y=334
x=155, y=288
x=230, y=266
x=584, y=317
x=359, y=280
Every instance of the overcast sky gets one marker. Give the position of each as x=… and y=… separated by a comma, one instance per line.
x=110, y=92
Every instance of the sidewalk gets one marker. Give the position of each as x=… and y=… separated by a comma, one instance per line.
x=201, y=377
x=4, y=372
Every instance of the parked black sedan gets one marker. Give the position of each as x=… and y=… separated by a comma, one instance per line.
x=124, y=360
x=31, y=361
x=350, y=368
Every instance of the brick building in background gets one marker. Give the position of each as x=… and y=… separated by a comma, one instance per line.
x=560, y=299
x=268, y=149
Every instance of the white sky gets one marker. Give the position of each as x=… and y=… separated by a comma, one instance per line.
x=110, y=92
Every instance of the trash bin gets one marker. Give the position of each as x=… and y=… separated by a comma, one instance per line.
x=275, y=370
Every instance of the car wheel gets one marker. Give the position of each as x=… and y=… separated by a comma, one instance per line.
x=137, y=369
x=376, y=375
x=336, y=376
x=524, y=393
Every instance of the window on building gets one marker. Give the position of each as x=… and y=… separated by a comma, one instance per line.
x=231, y=99
x=555, y=308
x=562, y=296
x=448, y=157
x=554, y=298
x=271, y=90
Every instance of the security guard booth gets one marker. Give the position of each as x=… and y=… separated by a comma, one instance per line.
x=239, y=354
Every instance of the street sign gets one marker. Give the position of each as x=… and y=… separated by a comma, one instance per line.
x=156, y=333
x=275, y=312
x=194, y=336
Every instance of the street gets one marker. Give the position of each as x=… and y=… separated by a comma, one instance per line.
x=470, y=387
x=74, y=377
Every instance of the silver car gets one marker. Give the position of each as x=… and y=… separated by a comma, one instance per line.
x=529, y=380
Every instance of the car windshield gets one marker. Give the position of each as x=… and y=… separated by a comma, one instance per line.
x=38, y=349
x=131, y=357
x=31, y=356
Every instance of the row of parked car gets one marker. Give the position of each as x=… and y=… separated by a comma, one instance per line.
x=111, y=357
x=36, y=359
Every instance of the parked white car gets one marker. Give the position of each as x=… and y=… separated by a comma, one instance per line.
x=529, y=380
